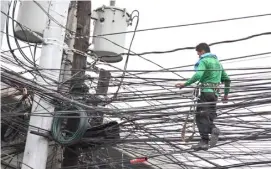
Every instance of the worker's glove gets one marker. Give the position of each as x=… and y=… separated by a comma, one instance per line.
x=225, y=99
x=180, y=85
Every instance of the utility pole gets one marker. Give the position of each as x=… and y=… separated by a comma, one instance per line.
x=102, y=88
x=67, y=60
x=36, y=149
x=65, y=73
x=83, y=30
x=78, y=65
x=103, y=82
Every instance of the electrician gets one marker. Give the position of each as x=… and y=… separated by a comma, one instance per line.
x=210, y=73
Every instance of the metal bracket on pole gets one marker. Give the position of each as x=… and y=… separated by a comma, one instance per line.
x=46, y=135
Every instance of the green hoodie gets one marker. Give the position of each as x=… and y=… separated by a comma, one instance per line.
x=210, y=71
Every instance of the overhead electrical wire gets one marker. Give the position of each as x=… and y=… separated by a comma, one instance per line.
x=190, y=24
x=223, y=60
x=127, y=57
x=154, y=125
x=189, y=48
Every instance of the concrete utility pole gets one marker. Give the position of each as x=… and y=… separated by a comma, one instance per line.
x=78, y=64
x=36, y=149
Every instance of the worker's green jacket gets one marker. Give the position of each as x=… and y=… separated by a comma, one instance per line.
x=209, y=71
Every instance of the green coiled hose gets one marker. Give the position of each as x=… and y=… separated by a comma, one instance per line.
x=57, y=132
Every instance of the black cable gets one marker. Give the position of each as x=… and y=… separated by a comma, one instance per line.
x=242, y=164
x=191, y=70
x=184, y=25
x=16, y=41
x=127, y=58
x=189, y=48
x=221, y=60
x=143, y=111
x=9, y=45
x=16, y=48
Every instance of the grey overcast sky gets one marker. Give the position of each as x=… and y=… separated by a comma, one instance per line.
x=157, y=13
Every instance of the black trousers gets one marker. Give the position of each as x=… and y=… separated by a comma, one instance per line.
x=206, y=114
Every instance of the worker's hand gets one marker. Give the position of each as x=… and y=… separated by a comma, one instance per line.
x=180, y=85
x=225, y=99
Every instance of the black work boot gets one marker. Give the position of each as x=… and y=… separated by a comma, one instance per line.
x=202, y=145
x=214, y=137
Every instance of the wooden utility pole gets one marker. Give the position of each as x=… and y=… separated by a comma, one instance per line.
x=78, y=65
x=65, y=73
x=83, y=30
x=104, y=78
x=102, y=88
x=67, y=60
